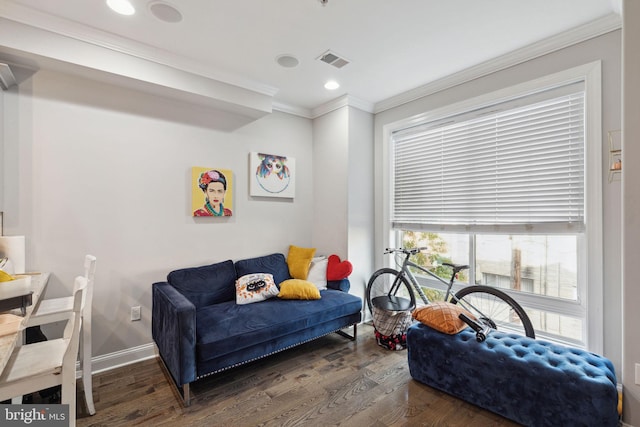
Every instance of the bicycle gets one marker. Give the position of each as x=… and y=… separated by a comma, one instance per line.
x=395, y=291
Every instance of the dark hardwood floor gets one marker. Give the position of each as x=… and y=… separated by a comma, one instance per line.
x=328, y=382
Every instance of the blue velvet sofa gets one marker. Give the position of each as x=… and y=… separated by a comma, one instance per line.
x=533, y=382
x=199, y=329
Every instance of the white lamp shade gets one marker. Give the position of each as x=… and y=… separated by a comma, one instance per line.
x=13, y=247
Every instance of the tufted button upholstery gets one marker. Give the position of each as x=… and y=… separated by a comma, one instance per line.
x=533, y=382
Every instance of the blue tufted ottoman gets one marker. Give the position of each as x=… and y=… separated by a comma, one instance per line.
x=533, y=382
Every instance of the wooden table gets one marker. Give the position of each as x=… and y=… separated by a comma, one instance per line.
x=9, y=342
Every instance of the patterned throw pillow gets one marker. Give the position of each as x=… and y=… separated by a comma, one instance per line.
x=255, y=287
x=442, y=316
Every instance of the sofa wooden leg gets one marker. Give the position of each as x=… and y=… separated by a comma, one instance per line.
x=186, y=395
x=346, y=335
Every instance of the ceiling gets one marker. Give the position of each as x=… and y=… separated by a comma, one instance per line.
x=393, y=46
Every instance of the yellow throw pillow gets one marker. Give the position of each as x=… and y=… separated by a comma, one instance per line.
x=442, y=316
x=299, y=261
x=298, y=289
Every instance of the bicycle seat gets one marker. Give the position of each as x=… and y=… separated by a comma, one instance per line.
x=456, y=267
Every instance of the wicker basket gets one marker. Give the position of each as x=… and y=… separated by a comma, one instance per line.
x=391, y=328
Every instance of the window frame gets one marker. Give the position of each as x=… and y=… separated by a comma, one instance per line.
x=589, y=305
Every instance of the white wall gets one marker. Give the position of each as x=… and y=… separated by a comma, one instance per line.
x=343, y=190
x=9, y=169
x=330, y=186
x=2, y=138
x=605, y=48
x=631, y=208
x=360, y=199
x=106, y=170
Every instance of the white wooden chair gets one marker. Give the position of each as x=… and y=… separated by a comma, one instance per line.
x=57, y=309
x=34, y=367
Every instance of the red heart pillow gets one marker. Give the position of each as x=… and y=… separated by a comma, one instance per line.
x=338, y=270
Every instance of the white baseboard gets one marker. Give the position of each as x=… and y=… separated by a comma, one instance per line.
x=121, y=358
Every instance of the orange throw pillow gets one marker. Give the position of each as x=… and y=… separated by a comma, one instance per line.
x=442, y=316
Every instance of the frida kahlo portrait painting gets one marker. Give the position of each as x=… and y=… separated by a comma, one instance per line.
x=212, y=195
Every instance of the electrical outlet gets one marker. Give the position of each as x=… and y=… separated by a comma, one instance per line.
x=135, y=313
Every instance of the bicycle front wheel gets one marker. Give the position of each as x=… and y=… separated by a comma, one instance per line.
x=496, y=308
x=389, y=290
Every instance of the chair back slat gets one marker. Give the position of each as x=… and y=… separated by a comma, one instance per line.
x=71, y=330
x=79, y=290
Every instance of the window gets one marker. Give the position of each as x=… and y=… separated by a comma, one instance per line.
x=518, y=164
x=504, y=183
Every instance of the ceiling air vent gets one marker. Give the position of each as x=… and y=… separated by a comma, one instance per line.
x=334, y=59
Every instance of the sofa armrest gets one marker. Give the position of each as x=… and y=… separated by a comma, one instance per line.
x=340, y=285
x=173, y=327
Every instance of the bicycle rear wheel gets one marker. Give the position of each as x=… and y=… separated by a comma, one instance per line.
x=389, y=290
x=495, y=307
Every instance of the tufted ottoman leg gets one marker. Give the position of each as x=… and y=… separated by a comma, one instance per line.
x=533, y=382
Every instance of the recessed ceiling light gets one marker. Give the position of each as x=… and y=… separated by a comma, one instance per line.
x=123, y=7
x=331, y=85
x=287, y=61
x=165, y=12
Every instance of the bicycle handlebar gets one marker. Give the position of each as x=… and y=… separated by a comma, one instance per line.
x=410, y=251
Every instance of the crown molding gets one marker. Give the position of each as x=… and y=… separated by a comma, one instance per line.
x=611, y=22
x=90, y=35
x=335, y=104
x=292, y=109
x=361, y=104
x=343, y=101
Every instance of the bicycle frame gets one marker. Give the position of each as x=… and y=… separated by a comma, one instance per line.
x=406, y=271
x=403, y=277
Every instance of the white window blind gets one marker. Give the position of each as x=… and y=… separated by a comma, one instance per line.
x=509, y=167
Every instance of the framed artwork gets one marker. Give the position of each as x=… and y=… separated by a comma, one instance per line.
x=212, y=193
x=272, y=175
